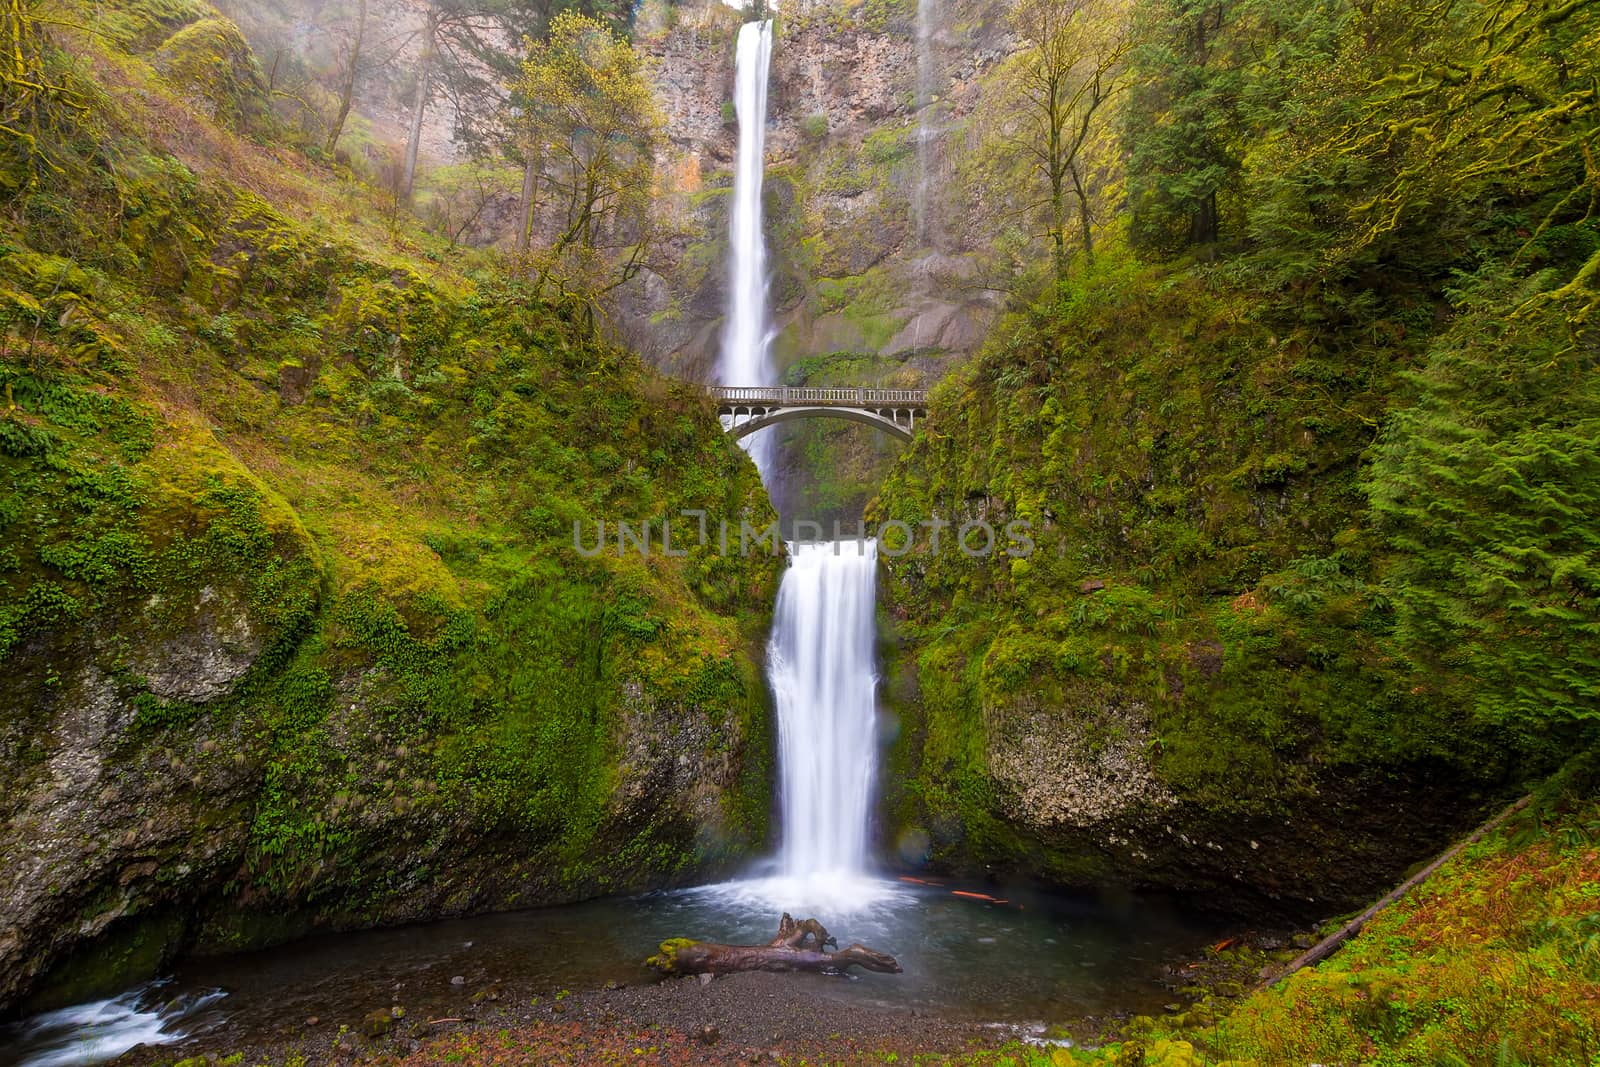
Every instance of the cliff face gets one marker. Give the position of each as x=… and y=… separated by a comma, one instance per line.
x=882, y=260
x=1181, y=677
x=878, y=266
x=293, y=631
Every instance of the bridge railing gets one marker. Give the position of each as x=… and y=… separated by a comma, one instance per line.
x=827, y=396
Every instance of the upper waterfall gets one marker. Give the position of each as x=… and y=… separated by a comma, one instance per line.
x=746, y=341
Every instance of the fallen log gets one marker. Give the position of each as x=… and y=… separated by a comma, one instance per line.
x=799, y=946
x=1326, y=947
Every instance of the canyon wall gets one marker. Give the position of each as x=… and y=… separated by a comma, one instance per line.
x=880, y=266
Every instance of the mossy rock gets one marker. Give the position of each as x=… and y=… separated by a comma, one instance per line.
x=137, y=26
x=211, y=65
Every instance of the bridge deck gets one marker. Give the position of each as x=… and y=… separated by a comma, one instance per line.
x=840, y=396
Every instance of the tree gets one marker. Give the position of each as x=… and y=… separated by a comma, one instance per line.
x=419, y=104
x=1072, y=53
x=1182, y=126
x=467, y=50
x=352, y=65
x=36, y=103
x=1481, y=144
x=590, y=118
x=1497, y=110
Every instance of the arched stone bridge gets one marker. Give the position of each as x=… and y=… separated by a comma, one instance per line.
x=752, y=408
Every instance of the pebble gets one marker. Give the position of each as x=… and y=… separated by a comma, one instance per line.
x=458, y=980
x=705, y=979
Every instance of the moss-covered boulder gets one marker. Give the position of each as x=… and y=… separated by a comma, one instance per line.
x=211, y=65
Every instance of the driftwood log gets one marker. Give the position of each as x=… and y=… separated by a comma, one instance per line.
x=799, y=946
x=1326, y=947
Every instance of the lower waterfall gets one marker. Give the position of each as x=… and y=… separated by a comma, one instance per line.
x=821, y=667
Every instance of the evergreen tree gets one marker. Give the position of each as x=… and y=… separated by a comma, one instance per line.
x=1182, y=125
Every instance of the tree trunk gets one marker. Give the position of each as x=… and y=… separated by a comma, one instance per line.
x=1203, y=228
x=1057, y=168
x=530, y=187
x=420, y=105
x=1085, y=220
x=799, y=946
x=349, y=80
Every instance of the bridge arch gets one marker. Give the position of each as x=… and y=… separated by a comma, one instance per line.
x=748, y=409
x=776, y=415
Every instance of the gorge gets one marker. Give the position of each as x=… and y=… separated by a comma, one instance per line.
x=1274, y=335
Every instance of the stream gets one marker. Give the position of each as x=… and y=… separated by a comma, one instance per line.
x=1034, y=959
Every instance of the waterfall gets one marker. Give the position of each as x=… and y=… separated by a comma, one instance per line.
x=927, y=20
x=821, y=669
x=745, y=339
x=820, y=657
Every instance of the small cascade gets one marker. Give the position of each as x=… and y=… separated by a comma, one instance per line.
x=103, y=1030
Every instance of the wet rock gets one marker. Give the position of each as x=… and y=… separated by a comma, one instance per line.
x=212, y=650
x=458, y=980
x=1078, y=764
x=377, y=1022
x=1206, y=657
x=294, y=382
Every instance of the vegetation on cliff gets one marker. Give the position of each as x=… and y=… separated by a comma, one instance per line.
x=1302, y=433
x=1307, y=453
x=291, y=621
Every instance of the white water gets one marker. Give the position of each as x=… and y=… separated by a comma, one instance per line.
x=103, y=1029
x=820, y=664
x=927, y=74
x=821, y=652
x=746, y=340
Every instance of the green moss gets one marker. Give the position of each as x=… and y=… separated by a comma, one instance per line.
x=140, y=25
x=1187, y=461
x=440, y=714
x=209, y=63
